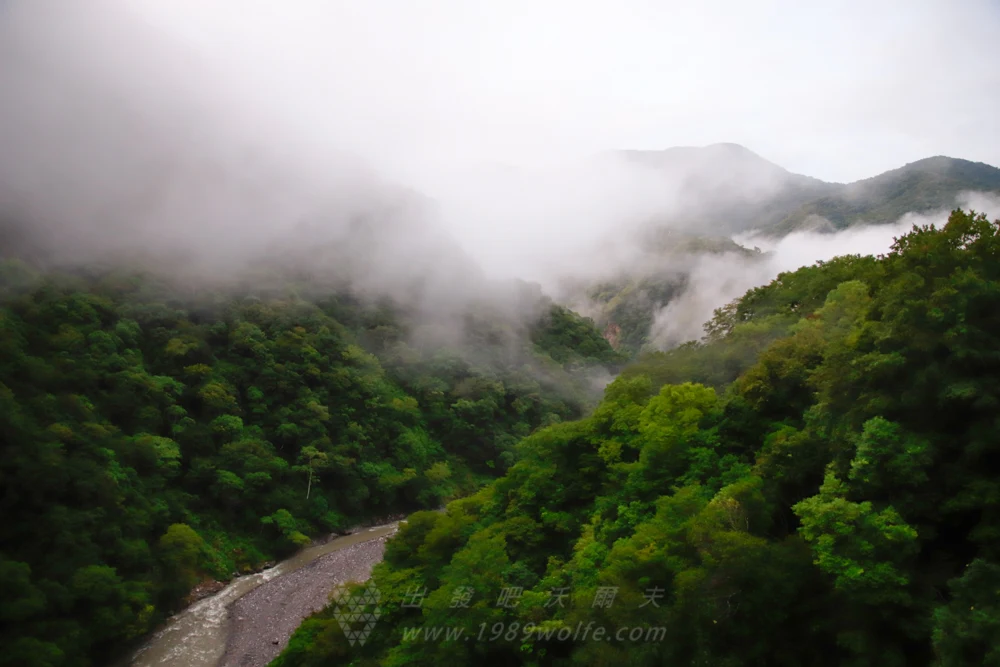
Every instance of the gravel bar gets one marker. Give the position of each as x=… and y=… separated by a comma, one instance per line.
x=262, y=621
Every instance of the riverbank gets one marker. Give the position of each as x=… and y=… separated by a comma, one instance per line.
x=209, y=587
x=199, y=636
x=262, y=621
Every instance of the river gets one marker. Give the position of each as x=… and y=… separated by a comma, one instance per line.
x=199, y=635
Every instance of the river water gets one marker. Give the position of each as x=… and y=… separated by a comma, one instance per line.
x=197, y=636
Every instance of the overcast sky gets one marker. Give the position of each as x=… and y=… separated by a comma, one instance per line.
x=839, y=90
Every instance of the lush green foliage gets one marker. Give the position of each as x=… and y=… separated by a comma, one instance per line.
x=150, y=440
x=835, y=502
x=741, y=330
x=571, y=339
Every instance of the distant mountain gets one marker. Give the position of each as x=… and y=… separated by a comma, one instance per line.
x=718, y=191
x=726, y=189
x=925, y=186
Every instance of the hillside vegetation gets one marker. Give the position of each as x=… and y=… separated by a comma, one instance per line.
x=152, y=437
x=817, y=483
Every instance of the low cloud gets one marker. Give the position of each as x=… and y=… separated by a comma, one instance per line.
x=214, y=139
x=718, y=279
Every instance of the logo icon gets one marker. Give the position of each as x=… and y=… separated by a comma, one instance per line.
x=356, y=611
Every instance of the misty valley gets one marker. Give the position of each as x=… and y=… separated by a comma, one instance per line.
x=272, y=397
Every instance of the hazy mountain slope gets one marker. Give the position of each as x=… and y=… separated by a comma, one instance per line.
x=925, y=186
x=659, y=274
x=624, y=303
x=726, y=188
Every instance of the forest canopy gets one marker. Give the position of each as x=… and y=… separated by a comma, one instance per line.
x=817, y=482
x=153, y=438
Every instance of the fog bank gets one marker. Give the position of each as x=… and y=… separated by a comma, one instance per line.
x=715, y=280
x=396, y=149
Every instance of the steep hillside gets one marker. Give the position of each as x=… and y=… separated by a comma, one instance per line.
x=155, y=435
x=830, y=499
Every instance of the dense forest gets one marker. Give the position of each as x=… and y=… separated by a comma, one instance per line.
x=154, y=436
x=816, y=482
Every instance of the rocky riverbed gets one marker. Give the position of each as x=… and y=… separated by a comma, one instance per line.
x=240, y=624
x=262, y=621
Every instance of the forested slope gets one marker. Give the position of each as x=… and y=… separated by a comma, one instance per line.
x=924, y=187
x=827, y=493
x=153, y=436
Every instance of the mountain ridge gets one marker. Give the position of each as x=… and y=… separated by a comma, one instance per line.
x=777, y=201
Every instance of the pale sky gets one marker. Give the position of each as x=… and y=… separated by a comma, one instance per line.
x=215, y=127
x=840, y=90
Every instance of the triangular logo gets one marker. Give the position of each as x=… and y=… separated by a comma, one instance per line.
x=356, y=612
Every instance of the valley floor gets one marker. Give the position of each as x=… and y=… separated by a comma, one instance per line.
x=262, y=621
x=251, y=620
